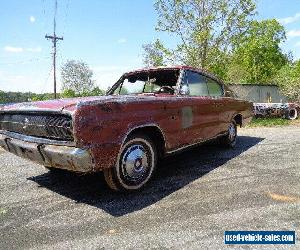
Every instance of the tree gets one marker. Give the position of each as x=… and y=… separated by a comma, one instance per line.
x=69, y=93
x=42, y=97
x=257, y=56
x=96, y=91
x=206, y=29
x=288, y=79
x=154, y=54
x=77, y=76
x=10, y=97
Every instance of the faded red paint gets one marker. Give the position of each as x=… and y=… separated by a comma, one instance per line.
x=102, y=124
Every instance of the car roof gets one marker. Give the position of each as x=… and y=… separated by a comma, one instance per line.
x=176, y=67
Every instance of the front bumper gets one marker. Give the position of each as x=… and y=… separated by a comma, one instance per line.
x=56, y=156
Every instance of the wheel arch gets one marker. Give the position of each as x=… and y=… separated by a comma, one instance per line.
x=238, y=118
x=154, y=132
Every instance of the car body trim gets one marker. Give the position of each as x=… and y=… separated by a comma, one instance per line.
x=38, y=140
x=55, y=156
x=177, y=150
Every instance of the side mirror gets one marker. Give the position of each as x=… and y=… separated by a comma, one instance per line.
x=228, y=93
x=184, y=90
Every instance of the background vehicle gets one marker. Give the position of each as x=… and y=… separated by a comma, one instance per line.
x=286, y=110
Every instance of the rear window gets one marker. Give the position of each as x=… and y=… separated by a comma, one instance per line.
x=214, y=88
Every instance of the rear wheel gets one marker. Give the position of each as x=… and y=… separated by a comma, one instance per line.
x=291, y=114
x=229, y=140
x=135, y=164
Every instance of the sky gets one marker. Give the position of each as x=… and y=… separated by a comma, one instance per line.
x=107, y=35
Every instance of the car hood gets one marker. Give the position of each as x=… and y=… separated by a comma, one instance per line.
x=67, y=104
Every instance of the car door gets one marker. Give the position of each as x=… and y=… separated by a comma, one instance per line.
x=216, y=92
x=199, y=116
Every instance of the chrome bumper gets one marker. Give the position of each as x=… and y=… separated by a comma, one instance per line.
x=56, y=156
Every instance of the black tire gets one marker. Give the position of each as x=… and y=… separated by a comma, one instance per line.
x=229, y=140
x=135, y=164
x=291, y=114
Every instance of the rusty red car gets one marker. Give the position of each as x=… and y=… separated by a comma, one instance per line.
x=146, y=115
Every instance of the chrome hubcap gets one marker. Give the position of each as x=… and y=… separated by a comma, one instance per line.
x=135, y=162
x=232, y=132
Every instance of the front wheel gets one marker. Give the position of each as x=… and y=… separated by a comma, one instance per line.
x=229, y=140
x=135, y=164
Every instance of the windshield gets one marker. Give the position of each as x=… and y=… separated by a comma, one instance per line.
x=158, y=81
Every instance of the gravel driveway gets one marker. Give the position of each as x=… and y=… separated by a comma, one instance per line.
x=194, y=197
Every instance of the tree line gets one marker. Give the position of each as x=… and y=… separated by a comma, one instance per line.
x=222, y=36
x=11, y=97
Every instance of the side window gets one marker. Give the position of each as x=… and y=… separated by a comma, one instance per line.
x=197, y=84
x=214, y=88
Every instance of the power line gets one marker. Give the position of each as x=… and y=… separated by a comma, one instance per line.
x=46, y=80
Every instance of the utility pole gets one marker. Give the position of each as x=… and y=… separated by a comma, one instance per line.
x=54, y=39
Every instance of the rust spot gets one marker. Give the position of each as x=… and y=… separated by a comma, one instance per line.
x=71, y=164
x=98, y=127
x=109, y=107
x=105, y=107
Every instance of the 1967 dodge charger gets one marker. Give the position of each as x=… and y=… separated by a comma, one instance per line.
x=146, y=115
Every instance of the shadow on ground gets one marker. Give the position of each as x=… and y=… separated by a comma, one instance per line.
x=173, y=173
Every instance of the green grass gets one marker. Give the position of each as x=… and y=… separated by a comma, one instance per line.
x=269, y=122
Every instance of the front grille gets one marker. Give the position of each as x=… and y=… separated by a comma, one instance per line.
x=51, y=126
